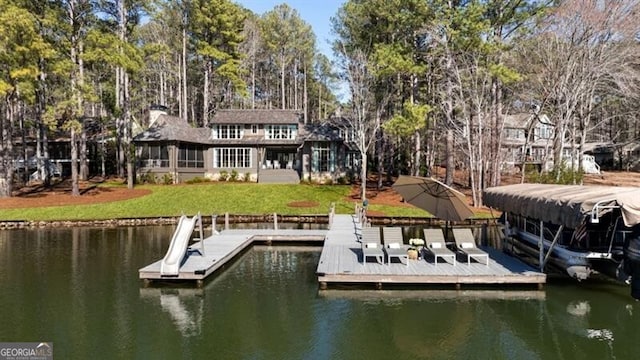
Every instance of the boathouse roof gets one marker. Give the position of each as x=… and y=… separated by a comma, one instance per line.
x=566, y=205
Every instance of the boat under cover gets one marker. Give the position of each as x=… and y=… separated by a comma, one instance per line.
x=566, y=205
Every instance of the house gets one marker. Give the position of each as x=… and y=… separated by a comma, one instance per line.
x=529, y=138
x=249, y=145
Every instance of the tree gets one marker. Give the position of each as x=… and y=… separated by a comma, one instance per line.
x=118, y=50
x=583, y=52
x=289, y=40
x=361, y=122
x=21, y=48
x=216, y=27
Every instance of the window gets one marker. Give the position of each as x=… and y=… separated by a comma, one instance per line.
x=514, y=134
x=232, y=158
x=227, y=132
x=543, y=132
x=287, y=132
x=321, y=157
x=154, y=156
x=190, y=156
x=351, y=160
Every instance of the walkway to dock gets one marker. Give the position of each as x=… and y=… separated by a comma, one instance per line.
x=341, y=260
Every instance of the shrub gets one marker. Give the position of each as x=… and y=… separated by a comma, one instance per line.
x=224, y=176
x=167, y=179
x=247, y=177
x=234, y=176
x=147, y=178
x=343, y=180
x=560, y=174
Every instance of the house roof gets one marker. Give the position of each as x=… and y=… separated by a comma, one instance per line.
x=173, y=128
x=522, y=120
x=517, y=121
x=320, y=132
x=256, y=117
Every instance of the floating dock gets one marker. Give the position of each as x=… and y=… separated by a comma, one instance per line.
x=341, y=260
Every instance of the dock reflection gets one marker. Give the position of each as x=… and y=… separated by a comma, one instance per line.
x=184, y=305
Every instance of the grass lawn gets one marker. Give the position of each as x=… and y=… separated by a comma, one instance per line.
x=213, y=198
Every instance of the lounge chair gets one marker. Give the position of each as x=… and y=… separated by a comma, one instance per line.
x=371, y=244
x=466, y=243
x=394, y=245
x=437, y=246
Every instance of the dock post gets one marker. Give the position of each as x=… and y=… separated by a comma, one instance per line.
x=201, y=234
x=226, y=221
x=275, y=221
x=214, y=220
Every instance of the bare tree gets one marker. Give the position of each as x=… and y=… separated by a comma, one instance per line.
x=365, y=119
x=583, y=51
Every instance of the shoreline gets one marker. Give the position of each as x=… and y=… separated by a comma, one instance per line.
x=231, y=219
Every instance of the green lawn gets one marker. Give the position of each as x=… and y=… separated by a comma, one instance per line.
x=212, y=198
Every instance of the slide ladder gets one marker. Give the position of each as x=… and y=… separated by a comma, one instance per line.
x=171, y=262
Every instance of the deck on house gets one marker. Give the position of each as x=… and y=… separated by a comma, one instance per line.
x=341, y=260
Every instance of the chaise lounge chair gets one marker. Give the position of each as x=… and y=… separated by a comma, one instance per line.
x=466, y=243
x=437, y=246
x=371, y=245
x=394, y=245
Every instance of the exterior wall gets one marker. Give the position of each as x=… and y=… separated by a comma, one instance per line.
x=336, y=170
x=215, y=173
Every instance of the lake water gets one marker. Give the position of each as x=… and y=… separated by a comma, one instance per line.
x=79, y=288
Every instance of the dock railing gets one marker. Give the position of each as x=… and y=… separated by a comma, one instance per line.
x=332, y=212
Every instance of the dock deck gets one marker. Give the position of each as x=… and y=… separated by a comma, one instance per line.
x=341, y=260
x=221, y=248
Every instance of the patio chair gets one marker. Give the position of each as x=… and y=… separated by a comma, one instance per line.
x=466, y=244
x=394, y=245
x=437, y=246
x=371, y=245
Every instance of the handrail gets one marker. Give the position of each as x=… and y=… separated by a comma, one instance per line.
x=595, y=218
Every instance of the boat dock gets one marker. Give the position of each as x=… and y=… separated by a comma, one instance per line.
x=341, y=260
x=203, y=258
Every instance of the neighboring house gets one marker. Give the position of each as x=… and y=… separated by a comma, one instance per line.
x=616, y=156
x=257, y=145
x=535, y=148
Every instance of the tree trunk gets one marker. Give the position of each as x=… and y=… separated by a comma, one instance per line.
x=418, y=153
x=75, y=188
x=6, y=150
x=253, y=83
x=205, y=92
x=450, y=158
x=84, y=163
x=305, y=95
x=183, y=99
x=363, y=177
x=282, y=89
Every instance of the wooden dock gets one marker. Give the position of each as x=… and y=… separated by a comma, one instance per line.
x=341, y=260
x=222, y=248
x=341, y=263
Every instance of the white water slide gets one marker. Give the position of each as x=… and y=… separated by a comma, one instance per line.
x=170, y=265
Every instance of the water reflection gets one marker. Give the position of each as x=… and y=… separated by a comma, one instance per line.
x=80, y=289
x=185, y=306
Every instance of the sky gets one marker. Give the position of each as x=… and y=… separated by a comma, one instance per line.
x=316, y=13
